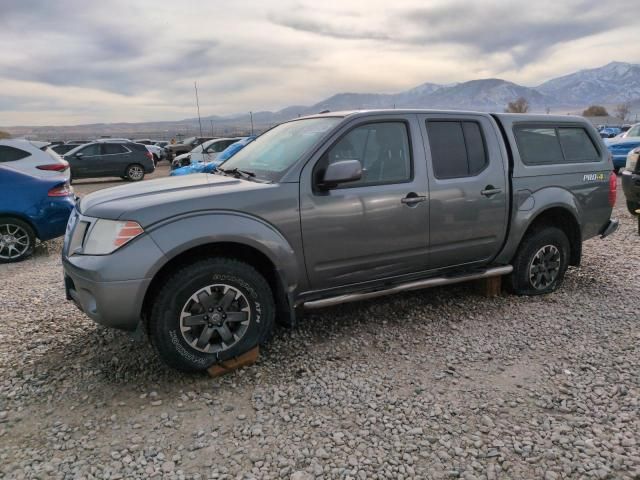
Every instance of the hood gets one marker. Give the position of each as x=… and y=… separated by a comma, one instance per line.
x=151, y=201
x=624, y=143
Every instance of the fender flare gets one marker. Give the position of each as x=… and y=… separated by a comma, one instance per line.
x=527, y=209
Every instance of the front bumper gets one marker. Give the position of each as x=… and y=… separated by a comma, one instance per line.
x=112, y=304
x=111, y=289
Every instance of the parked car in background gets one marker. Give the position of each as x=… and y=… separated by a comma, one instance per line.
x=31, y=207
x=35, y=158
x=333, y=208
x=63, y=148
x=609, y=132
x=205, y=152
x=161, y=143
x=631, y=180
x=620, y=148
x=144, y=141
x=157, y=152
x=632, y=132
x=185, y=146
x=209, y=167
x=110, y=158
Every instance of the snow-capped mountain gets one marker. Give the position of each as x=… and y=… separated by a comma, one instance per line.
x=616, y=82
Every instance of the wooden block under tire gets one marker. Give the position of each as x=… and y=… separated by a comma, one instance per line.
x=490, y=287
x=247, y=358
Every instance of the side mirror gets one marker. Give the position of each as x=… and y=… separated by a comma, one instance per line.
x=341, y=172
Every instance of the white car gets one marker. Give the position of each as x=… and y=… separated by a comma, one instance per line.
x=206, y=152
x=33, y=158
x=157, y=152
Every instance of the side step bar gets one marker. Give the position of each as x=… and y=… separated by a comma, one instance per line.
x=405, y=287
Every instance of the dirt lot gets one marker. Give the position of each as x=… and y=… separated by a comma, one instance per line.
x=442, y=383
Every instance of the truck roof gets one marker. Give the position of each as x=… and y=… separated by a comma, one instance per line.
x=508, y=117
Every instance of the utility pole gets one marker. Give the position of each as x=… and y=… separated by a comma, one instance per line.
x=211, y=127
x=195, y=85
x=251, y=116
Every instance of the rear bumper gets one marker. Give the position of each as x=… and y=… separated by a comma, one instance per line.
x=609, y=228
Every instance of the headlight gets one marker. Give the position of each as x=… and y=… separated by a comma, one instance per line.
x=106, y=236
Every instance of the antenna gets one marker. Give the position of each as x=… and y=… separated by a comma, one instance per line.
x=195, y=85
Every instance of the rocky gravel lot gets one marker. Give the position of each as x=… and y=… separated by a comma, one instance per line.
x=442, y=383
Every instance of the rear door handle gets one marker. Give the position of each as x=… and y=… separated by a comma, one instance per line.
x=413, y=199
x=490, y=191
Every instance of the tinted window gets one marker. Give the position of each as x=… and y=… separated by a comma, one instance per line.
x=550, y=145
x=10, y=154
x=382, y=149
x=92, y=149
x=113, y=149
x=457, y=148
x=577, y=146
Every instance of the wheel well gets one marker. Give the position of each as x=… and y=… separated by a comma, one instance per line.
x=564, y=220
x=247, y=254
x=26, y=220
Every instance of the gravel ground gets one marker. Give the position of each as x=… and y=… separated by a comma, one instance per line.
x=442, y=383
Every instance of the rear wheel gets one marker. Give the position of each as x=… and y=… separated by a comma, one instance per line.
x=135, y=172
x=210, y=311
x=632, y=207
x=17, y=240
x=540, y=263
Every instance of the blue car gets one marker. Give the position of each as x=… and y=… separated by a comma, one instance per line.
x=620, y=149
x=31, y=207
x=222, y=157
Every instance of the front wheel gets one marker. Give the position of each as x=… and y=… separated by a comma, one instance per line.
x=540, y=263
x=135, y=172
x=210, y=311
x=17, y=240
x=632, y=207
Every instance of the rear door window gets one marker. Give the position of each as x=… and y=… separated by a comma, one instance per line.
x=457, y=148
x=114, y=149
x=11, y=154
x=549, y=145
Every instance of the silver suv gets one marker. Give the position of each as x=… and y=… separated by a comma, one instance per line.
x=334, y=208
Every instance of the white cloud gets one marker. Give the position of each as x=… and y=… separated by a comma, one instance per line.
x=72, y=61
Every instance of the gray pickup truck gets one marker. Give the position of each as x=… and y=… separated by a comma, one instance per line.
x=334, y=208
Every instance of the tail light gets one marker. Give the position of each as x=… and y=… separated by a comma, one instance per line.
x=63, y=190
x=613, y=189
x=149, y=155
x=55, y=167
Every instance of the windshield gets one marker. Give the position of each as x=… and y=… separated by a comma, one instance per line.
x=188, y=140
x=633, y=131
x=271, y=154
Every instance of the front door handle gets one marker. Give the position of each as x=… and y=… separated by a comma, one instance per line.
x=490, y=191
x=413, y=199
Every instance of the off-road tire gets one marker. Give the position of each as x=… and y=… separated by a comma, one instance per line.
x=164, y=325
x=519, y=281
x=25, y=229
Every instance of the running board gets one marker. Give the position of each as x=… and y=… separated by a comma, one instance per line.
x=405, y=287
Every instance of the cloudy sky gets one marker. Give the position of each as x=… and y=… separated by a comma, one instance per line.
x=77, y=61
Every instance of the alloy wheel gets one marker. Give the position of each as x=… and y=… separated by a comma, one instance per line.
x=135, y=173
x=14, y=241
x=215, y=318
x=544, y=267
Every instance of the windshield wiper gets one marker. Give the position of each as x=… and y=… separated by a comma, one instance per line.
x=236, y=172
